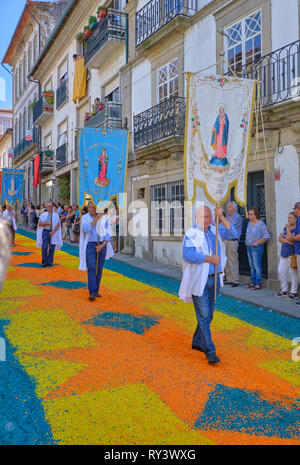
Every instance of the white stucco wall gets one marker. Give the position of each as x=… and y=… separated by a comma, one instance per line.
x=141, y=87
x=287, y=189
x=200, y=46
x=285, y=22
x=167, y=252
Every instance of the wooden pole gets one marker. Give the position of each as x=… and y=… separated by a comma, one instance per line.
x=216, y=252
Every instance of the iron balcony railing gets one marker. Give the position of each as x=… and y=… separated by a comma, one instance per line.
x=23, y=146
x=61, y=156
x=110, y=117
x=157, y=13
x=112, y=27
x=61, y=94
x=278, y=73
x=41, y=107
x=163, y=120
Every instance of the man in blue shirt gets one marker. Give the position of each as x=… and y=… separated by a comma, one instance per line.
x=198, y=282
x=232, y=245
x=295, y=238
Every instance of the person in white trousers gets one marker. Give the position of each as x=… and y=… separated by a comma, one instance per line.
x=285, y=272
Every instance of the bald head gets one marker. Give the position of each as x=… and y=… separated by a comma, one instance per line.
x=203, y=217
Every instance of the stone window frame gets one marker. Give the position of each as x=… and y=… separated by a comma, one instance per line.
x=238, y=11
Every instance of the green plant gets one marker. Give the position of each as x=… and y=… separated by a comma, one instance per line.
x=101, y=8
x=64, y=190
x=31, y=106
x=79, y=36
x=92, y=19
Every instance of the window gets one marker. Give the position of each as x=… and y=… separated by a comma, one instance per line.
x=16, y=75
x=29, y=57
x=20, y=79
x=24, y=123
x=34, y=49
x=113, y=96
x=168, y=81
x=48, y=142
x=243, y=45
x=167, y=208
x=29, y=117
x=16, y=133
x=24, y=72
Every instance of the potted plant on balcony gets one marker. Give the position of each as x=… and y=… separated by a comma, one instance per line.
x=92, y=22
x=31, y=106
x=86, y=116
x=48, y=97
x=101, y=12
x=87, y=32
x=80, y=36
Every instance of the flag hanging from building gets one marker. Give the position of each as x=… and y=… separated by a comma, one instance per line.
x=102, y=163
x=12, y=186
x=218, y=134
x=36, y=171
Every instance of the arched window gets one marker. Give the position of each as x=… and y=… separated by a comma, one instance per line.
x=29, y=57
x=16, y=76
x=24, y=71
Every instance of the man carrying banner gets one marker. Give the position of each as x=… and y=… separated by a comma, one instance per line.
x=93, y=248
x=49, y=236
x=198, y=281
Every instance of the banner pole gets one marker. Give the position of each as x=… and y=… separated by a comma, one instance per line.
x=216, y=253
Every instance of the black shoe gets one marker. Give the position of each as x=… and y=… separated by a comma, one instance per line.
x=44, y=265
x=197, y=348
x=234, y=284
x=98, y=295
x=92, y=297
x=228, y=283
x=212, y=358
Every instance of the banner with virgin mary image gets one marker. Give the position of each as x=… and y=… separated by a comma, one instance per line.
x=102, y=164
x=12, y=186
x=218, y=134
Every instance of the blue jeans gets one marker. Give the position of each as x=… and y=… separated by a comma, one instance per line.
x=47, y=248
x=255, y=256
x=204, y=308
x=94, y=276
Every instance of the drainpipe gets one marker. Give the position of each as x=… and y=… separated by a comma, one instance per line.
x=126, y=22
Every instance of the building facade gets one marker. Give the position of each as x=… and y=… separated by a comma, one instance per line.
x=35, y=25
x=259, y=40
x=6, y=159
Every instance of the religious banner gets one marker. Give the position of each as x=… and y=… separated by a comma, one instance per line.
x=217, y=137
x=102, y=164
x=12, y=186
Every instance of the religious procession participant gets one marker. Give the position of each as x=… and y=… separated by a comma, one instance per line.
x=49, y=237
x=198, y=281
x=93, y=248
x=4, y=251
x=9, y=215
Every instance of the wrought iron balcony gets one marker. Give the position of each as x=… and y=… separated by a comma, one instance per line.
x=278, y=73
x=157, y=13
x=47, y=164
x=42, y=111
x=24, y=146
x=109, y=35
x=159, y=122
x=61, y=156
x=108, y=118
x=61, y=94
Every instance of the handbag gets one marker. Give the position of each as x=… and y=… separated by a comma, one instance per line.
x=293, y=261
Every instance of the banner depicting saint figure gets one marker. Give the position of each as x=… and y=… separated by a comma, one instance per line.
x=102, y=163
x=218, y=133
x=12, y=186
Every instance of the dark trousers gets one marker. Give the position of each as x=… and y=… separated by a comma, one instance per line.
x=47, y=248
x=94, y=276
x=204, y=308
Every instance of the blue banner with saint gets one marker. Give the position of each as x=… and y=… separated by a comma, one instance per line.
x=102, y=164
x=12, y=186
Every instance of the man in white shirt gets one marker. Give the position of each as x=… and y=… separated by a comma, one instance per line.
x=4, y=251
x=93, y=244
x=49, y=236
x=198, y=280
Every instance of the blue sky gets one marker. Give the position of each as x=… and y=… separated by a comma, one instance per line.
x=11, y=11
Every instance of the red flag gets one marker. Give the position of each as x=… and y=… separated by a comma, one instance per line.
x=36, y=171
